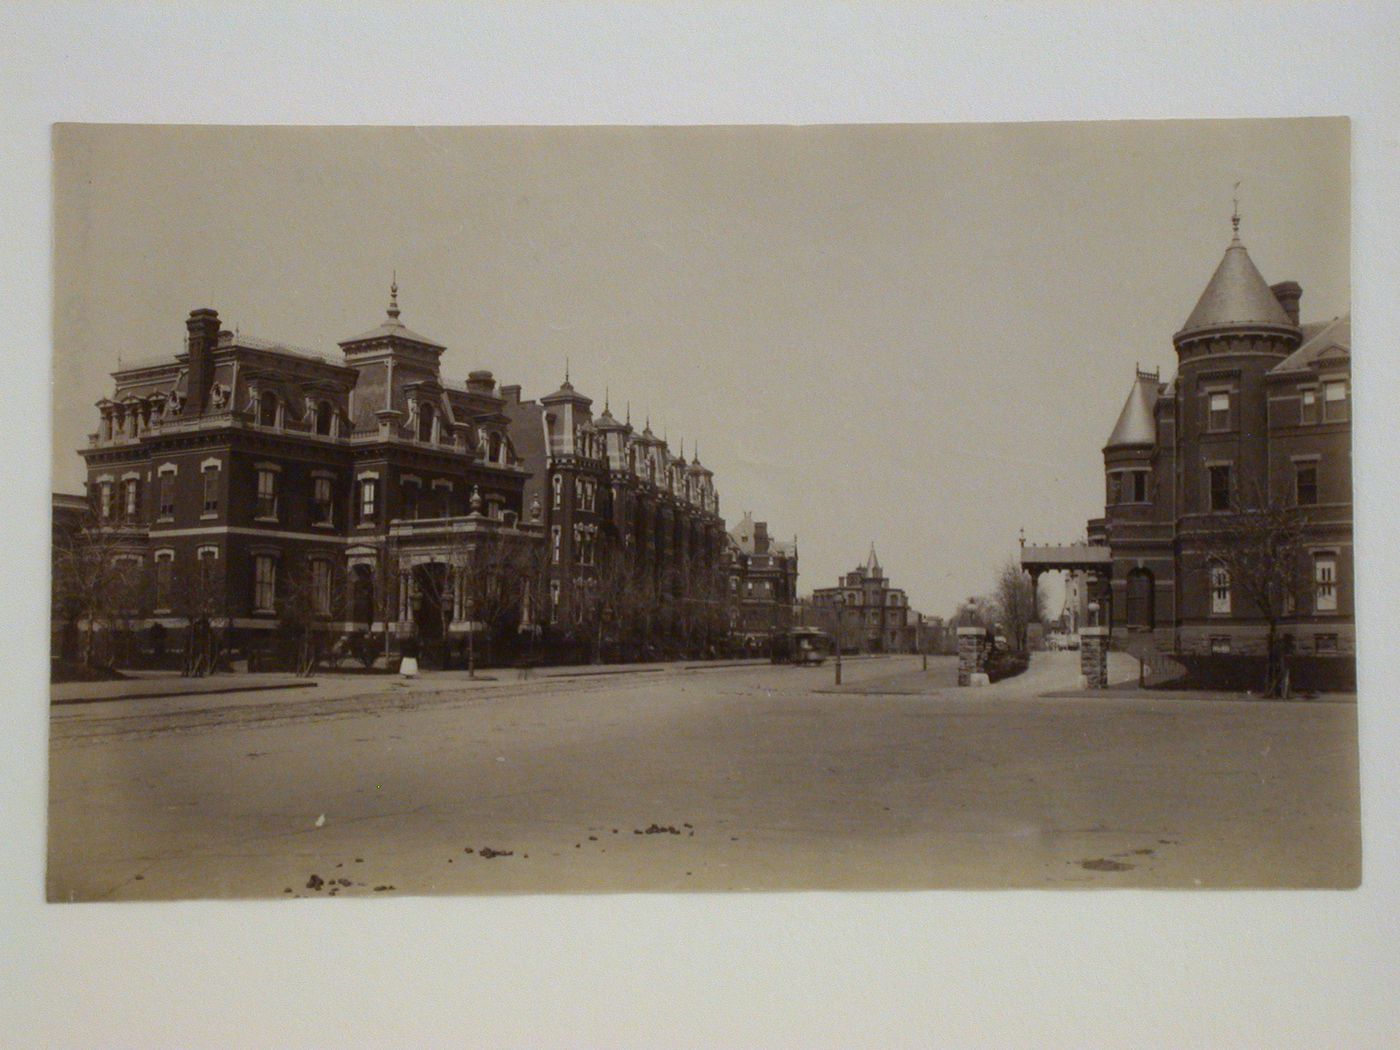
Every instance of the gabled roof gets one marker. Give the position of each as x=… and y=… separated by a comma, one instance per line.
x=1330, y=339
x=1236, y=295
x=1136, y=425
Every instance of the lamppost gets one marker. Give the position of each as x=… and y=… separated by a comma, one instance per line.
x=840, y=604
x=471, y=640
x=923, y=642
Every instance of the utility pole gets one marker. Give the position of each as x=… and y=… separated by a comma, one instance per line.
x=471, y=642
x=840, y=604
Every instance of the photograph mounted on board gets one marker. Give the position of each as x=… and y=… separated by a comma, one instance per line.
x=428, y=506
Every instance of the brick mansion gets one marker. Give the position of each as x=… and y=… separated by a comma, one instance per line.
x=397, y=502
x=1258, y=415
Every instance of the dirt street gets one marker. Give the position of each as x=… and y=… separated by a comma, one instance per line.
x=753, y=778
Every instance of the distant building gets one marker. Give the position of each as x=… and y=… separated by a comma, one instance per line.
x=762, y=582
x=875, y=615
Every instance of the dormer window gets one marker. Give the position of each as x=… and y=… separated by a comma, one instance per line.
x=325, y=416
x=267, y=409
x=425, y=423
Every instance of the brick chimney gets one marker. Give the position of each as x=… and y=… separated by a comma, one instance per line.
x=203, y=328
x=481, y=382
x=1288, y=293
x=511, y=393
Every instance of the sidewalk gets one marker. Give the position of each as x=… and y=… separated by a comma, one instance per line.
x=150, y=685
x=1131, y=691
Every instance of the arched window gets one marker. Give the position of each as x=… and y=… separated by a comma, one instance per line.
x=425, y=423
x=267, y=409
x=324, y=417
x=1139, y=604
x=495, y=454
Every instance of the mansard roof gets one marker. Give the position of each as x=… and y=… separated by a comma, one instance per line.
x=1329, y=339
x=1237, y=296
x=1136, y=425
x=393, y=328
x=566, y=392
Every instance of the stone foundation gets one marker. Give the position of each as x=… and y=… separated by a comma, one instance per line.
x=972, y=653
x=1093, y=656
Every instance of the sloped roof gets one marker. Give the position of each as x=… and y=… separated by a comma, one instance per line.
x=1136, y=425
x=566, y=392
x=393, y=328
x=1334, y=335
x=872, y=563
x=1236, y=295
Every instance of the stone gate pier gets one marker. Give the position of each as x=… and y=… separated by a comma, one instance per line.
x=972, y=653
x=1093, y=656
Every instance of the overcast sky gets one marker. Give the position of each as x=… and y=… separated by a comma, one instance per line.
x=918, y=336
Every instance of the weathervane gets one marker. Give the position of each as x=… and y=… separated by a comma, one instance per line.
x=1235, y=216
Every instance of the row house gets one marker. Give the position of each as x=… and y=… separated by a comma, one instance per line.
x=627, y=521
x=762, y=582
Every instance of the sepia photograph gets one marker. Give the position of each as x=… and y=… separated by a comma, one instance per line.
x=506, y=510
x=745, y=525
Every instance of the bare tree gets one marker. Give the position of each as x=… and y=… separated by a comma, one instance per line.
x=1261, y=546
x=979, y=610
x=308, y=599
x=99, y=580
x=197, y=597
x=1014, y=602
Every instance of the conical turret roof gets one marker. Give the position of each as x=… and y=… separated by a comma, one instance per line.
x=1136, y=425
x=1237, y=296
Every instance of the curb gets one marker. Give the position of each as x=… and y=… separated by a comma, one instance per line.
x=192, y=692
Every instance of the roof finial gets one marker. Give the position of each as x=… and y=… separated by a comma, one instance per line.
x=394, y=295
x=607, y=397
x=566, y=369
x=1235, y=216
x=629, y=413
